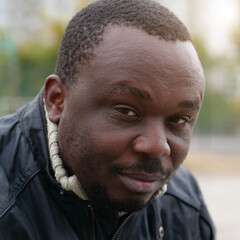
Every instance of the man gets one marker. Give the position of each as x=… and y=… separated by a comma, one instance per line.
x=92, y=156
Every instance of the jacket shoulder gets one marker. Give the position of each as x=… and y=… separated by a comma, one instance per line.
x=184, y=186
x=183, y=207
x=17, y=164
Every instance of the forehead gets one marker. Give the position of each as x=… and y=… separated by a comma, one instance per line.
x=129, y=53
x=123, y=44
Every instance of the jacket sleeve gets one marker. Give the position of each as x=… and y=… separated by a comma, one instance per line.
x=184, y=213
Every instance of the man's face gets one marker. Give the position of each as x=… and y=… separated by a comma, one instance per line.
x=126, y=125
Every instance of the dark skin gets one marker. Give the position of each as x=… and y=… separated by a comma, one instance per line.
x=125, y=126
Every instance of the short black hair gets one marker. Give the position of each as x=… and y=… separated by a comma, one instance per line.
x=85, y=31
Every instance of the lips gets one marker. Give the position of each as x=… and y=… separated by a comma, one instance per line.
x=139, y=182
x=144, y=177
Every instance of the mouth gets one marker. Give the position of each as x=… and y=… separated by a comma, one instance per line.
x=141, y=182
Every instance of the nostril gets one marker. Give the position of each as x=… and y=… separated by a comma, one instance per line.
x=167, y=148
x=153, y=147
x=163, y=147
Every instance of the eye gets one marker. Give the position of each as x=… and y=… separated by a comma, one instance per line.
x=181, y=120
x=126, y=111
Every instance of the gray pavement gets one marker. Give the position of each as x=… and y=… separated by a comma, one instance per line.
x=222, y=195
x=215, y=161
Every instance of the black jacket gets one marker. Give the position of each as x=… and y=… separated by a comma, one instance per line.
x=33, y=205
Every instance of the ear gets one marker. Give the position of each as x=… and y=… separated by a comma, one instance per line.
x=55, y=97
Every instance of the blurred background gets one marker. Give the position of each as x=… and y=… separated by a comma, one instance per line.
x=30, y=35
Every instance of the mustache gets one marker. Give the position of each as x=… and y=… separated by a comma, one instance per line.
x=150, y=166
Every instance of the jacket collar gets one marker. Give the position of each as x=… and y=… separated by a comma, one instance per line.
x=34, y=128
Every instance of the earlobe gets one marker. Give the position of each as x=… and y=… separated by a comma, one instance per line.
x=55, y=96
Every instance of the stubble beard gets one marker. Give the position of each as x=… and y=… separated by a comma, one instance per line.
x=99, y=198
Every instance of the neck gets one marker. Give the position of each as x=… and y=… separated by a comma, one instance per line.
x=67, y=181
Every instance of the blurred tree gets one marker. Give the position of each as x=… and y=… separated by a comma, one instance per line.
x=9, y=66
x=219, y=114
x=38, y=60
x=30, y=49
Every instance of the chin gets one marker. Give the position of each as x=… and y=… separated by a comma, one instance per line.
x=130, y=206
x=127, y=205
x=99, y=197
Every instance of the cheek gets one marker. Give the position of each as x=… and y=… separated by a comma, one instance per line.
x=72, y=142
x=179, y=150
x=112, y=140
x=87, y=152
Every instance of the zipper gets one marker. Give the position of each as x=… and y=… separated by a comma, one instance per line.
x=93, y=221
x=121, y=227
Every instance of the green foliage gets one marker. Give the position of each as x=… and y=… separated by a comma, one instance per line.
x=23, y=73
x=36, y=63
x=24, y=68
x=202, y=52
x=220, y=113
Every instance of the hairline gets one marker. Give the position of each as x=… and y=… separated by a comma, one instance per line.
x=72, y=58
x=108, y=27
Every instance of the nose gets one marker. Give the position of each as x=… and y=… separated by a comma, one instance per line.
x=152, y=141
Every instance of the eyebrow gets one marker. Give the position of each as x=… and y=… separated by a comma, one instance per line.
x=137, y=92
x=189, y=104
